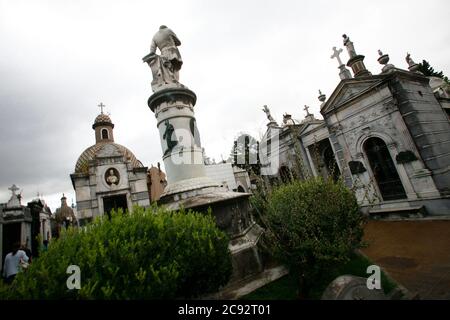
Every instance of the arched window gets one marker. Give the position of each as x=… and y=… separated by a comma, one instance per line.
x=330, y=163
x=105, y=134
x=384, y=169
x=240, y=189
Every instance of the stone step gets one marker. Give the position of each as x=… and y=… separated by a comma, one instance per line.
x=398, y=212
x=248, y=285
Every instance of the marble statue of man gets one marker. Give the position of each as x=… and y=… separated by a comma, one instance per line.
x=166, y=66
x=167, y=42
x=349, y=45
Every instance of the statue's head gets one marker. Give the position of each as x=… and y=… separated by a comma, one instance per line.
x=162, y=27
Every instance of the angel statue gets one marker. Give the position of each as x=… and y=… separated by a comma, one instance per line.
x=409, y=60
x=267, y=111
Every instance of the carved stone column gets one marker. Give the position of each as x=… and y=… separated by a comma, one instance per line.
x=181, y=147
x=188, y=186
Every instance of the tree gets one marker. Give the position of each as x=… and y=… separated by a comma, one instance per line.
x=312, y=226
x=149, y=254
x=429, y=71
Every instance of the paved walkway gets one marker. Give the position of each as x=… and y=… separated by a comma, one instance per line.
x=415, y=253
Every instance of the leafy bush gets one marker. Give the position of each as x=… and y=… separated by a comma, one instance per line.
x=149, y=254
x=313, y=226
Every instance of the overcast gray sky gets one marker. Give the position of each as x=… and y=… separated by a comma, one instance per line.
x=59, y=59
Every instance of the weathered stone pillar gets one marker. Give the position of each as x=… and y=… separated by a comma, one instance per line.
x=180, y=142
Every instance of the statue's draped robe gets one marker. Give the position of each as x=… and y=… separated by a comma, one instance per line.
x=165, y=67
x=162, y=74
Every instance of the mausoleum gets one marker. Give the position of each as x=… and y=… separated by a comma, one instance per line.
x=387, y=135
x=108, y=175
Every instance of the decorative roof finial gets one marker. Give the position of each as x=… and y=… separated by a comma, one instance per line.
x=412, y=66
x=101, y=106
x=349, y=45
x=322, y=97
x=409, y=60
x=306, y=108
x=356, y=61
x=345, y=73
x=383, y=60
x=13, y=189
x=336, y=54
x=272, y=121
x=14, y=201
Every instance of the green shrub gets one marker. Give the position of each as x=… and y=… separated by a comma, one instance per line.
x=313, y=226
x=149, y=254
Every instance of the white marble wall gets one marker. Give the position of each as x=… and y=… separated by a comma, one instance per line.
x=223, y=174
x=376, y=115
x=91, y=190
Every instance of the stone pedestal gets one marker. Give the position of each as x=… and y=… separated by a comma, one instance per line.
x=358, y=67
x=190, y=188
x=344, y=73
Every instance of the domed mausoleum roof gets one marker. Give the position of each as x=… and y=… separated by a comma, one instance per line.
x=104, y=149
x=105, y=146
x=102, y=119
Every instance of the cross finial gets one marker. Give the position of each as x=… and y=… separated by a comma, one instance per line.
x=13, y=189
x=306, y=108
x=321, y=96
x=101, y=106
x=336, y=53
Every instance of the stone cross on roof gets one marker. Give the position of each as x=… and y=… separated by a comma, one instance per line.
x=101, y=106
x=15, y=199
x=306, y=108
x=13, y=189
x=336, y=53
